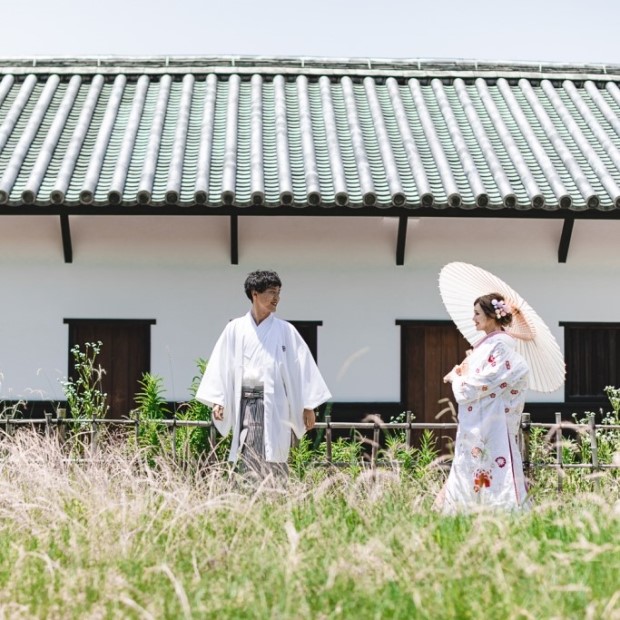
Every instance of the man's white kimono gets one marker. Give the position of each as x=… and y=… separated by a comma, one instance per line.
x=290, y=377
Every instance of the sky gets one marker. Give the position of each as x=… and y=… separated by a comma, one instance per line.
x=568, y=31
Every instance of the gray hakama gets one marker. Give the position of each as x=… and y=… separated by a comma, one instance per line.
x=252, y=459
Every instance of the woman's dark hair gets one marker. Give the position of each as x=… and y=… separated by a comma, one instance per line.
x=486, y=305
x=260, y=281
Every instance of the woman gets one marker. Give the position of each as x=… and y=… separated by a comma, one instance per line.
x=489, y=387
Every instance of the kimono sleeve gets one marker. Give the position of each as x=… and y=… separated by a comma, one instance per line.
x=314, y=391
x=498, y=371
x=305, y=386
x=215, y=383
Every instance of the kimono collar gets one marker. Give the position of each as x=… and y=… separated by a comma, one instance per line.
x=497, y=332
x=264, y=323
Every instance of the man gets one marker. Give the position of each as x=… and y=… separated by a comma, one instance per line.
x=262, y=382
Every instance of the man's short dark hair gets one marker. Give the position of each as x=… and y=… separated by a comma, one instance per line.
x=260, y=281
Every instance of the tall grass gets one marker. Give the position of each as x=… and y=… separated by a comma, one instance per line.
x=120, y=536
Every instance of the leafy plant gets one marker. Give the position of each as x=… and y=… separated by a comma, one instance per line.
x=188, y=443
x=152, y=406
x=575, y=449
x=301, y=457
x=607, y=439
x=345, y=453
x=426, y=453
x=85, y=398
x=613, y=394
x=414, y=460
x=192, y=440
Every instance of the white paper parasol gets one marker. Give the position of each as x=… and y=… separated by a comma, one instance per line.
x=460, y=284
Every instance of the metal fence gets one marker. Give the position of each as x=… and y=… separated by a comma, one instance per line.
x=556, y=433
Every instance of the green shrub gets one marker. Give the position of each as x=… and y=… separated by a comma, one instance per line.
x=151, y=436
x=576, y=449
x=85, y=398
x=195, y=441
x=190, y=444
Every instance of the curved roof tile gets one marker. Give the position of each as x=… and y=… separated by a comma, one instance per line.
x=299, y=132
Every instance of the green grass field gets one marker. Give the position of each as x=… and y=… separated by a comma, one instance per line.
x=116, y=538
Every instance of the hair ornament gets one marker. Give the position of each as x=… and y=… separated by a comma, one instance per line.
x=501, y=308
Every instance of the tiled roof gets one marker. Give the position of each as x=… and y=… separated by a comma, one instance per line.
x=299, y=132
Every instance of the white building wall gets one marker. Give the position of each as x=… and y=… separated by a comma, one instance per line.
x=341, y=271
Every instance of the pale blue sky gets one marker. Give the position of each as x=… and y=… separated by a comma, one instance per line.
x=574, y=31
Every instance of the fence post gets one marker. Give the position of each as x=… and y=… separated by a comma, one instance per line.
x=375, y=445
x=526, y=427
x=212, y=442
x=174, y=439
x=61, y=414
x=8, y=416
x=593, y=443
x=558, y=449
x=48, y=424
x=94, y=432
x=408, y=433
x=328, y=437
x=137, y=426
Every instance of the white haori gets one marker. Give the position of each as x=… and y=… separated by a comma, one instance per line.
x=274, y=354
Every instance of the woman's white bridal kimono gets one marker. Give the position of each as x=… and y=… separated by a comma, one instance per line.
x=487, y=468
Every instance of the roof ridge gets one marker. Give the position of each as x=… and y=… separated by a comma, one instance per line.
x=307, y=62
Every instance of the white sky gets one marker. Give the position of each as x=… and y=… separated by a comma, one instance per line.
x=575, y=31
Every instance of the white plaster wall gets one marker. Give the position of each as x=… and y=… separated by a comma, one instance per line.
x=341, y=271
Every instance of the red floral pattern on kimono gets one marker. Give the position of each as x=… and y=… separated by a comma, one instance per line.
x=487, y=469
x=482, y=478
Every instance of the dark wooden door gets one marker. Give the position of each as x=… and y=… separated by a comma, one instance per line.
x=592, y=352
x=125, y=355
x=429, y=351
x=308, y=331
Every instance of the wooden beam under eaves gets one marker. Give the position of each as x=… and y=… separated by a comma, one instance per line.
x=234, y=239
x=567, y=231
x=401, y=240
x=65, y=230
